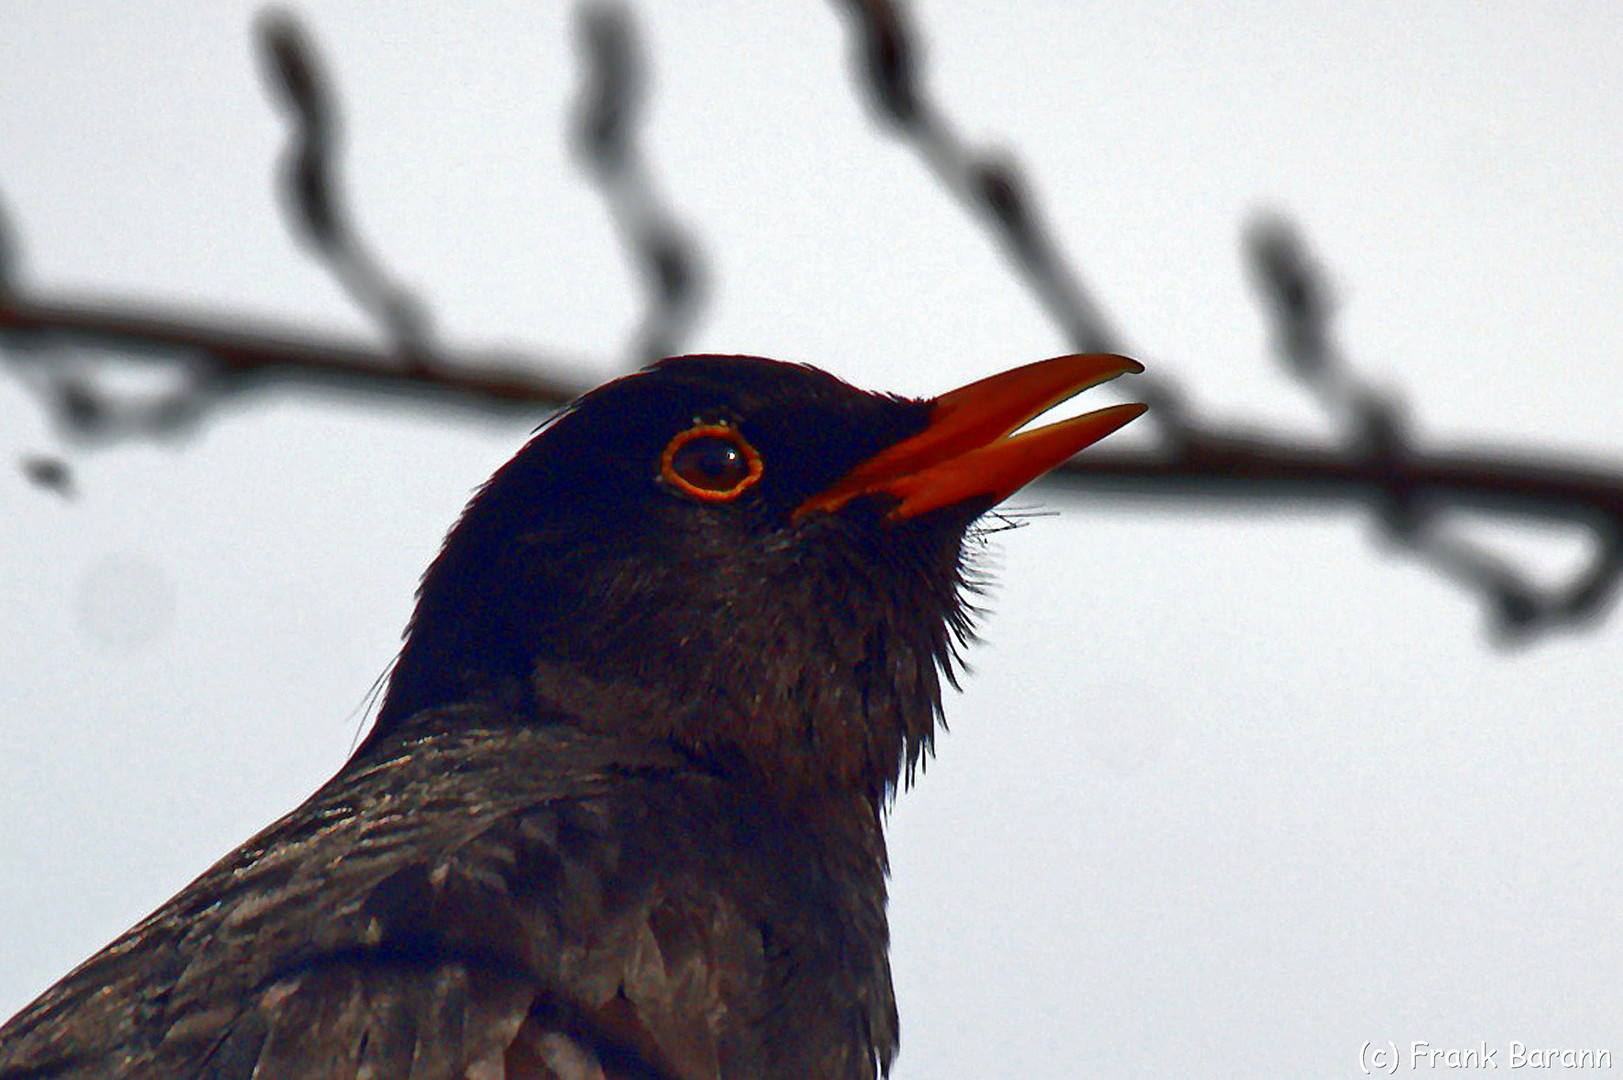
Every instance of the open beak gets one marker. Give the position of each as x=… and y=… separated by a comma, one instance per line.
x=967, y=451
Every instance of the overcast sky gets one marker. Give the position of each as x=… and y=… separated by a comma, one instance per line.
x=1231, y=791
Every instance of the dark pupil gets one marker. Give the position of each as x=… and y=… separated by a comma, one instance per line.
x=711, y=463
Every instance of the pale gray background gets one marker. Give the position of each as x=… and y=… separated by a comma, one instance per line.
x=1229, y=793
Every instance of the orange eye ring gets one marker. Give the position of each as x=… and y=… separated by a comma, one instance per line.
x=710, y=462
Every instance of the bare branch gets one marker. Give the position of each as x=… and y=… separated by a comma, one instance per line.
x=1377, y=467
x=1249, y=469
x=988, y=184
x=240, y=359
x=309, y=182
x=1298, y=299
x=223, y=359
x=603, y=138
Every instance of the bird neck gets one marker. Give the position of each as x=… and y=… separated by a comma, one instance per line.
x=787, y=748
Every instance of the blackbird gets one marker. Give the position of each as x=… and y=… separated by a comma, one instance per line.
x=619, y=815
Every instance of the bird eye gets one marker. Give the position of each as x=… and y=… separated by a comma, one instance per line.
x=710, y=462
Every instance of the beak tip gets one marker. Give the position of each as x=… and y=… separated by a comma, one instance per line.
x=969, y=450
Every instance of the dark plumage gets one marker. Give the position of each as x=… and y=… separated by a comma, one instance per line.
x=619, y=815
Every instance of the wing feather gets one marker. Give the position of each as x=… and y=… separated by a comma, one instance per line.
x=480, y=903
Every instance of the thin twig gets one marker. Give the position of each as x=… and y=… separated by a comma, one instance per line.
x=313, y=199
x=244, y=359
x=1298, y=298
x=603, y=129
x=1378, y=465
x=989, y=185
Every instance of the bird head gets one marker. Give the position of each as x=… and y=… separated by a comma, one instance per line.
x=749, y=560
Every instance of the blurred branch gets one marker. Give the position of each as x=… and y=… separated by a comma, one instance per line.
x=603, y=129
x=1299, y=302
x=312, y=198
x=223, y=358
x=237, y=359
x=988, y=184
x=1249, y=468
x=1376, y=465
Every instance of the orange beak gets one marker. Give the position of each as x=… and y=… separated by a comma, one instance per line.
x=967, y=450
